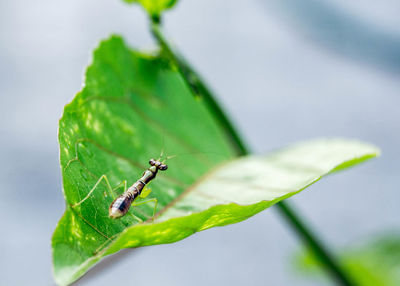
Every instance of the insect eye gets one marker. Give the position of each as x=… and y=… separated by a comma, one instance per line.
x=163, y=167
x=152, y=162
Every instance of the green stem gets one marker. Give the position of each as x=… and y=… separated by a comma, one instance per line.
x=314, y=244
x=199, y=88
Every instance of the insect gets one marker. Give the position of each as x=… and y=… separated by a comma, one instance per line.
x=120, y=206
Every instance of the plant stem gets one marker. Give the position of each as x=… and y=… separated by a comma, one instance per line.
x=200, y=89
x=314, y=244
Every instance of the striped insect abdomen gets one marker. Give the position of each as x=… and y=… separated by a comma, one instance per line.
x=120, y=206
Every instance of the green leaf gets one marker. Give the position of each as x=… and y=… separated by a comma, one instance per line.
x=376, y=262
x=154, y=7
x=131, y=108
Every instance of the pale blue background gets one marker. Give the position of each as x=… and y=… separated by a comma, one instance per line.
x=285, y=70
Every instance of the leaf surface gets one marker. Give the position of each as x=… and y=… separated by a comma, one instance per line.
x=131, y=108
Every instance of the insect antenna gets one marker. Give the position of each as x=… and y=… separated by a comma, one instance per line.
x=167, y=158
x=164, y=160
x=162, y=149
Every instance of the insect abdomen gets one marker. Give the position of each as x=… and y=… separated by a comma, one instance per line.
x=120, y=206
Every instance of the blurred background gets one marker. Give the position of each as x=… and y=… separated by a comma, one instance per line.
x=285, y=70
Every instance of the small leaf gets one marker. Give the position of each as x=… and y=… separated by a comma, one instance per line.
x=131, y=108
x=154, y=7
x=376, y=262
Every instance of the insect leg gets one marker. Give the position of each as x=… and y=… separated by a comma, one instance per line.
x=136, y=217
x=145, y=192
x=103, y=177
x=110, y=190
x=123, y=183
x=148, y=201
